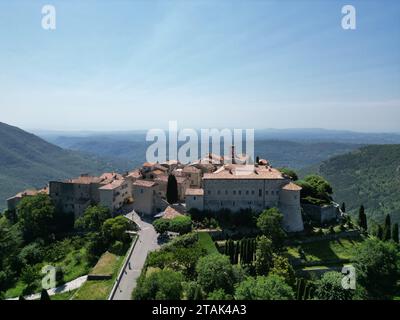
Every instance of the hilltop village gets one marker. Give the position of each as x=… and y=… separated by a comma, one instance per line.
x=211, y=183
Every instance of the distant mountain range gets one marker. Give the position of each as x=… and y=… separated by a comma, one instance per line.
x=368, y=176
x=132, y=146
x=27, y=161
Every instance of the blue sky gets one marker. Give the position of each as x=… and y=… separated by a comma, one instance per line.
x=126, y=65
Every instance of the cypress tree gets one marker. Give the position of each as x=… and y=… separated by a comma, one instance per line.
x=362, y=219
x=387, y=228
x=395, y=233
x=343, y=207
x=172, y=189
x=257, y=159
x=380, y=232
x=237, y=249
x=44, y=295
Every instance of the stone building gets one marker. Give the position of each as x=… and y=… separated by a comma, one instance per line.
x=254, y=187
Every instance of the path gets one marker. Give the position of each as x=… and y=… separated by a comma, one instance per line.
x=147, y=242
x=69, y=286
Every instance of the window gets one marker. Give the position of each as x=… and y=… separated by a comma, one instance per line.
x=247, y=192
x=209, y=191
x=259, y=192
x=266, y=192
x=240, y=192
x=194, y=198
x=272, y=192
x=234, y=192
x=226, y=192
x=219, y=192
x=141, y=190
x=252, y=192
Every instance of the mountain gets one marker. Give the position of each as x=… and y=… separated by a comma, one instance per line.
x=27, y=161
x=368, y=176
x=132, y=146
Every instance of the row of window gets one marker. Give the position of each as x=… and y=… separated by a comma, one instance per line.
x=246, y=192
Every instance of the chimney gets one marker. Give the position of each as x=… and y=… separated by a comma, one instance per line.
x=233, y=154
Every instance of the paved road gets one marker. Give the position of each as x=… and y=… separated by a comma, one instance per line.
x=147, y=242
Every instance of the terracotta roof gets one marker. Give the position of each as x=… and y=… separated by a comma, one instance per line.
x=144, y=183
x=172, y=212
x=164, y=178
x=157, y=172
x=292, y=187
x=246, y=172
x=135, y=174
x=148, y=164
x=191, y=169
x=28, y=192
x=84, y=180
x=194, y=192
x=110, y=176
x=113, y=185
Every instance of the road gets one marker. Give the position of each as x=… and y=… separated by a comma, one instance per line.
x=147, y=242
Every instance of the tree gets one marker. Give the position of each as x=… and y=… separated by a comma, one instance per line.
x=114, y=229
x=44, y=295
x=379, y=232
x=315, y=190
x=161, y=225
x=219, y=294
x=282, y=267
x=264, y=255
x=272, y=287
x=93, y=218
x=181, y=225
x=159, y=285
x=362, y=219
x=172, y=189
x=343, y=207
x=36, y=217
x=329, y=287
x=270, y=224
x=387, y=232
x=215, y=272
x=257, y=159
x=290, y=173
x=395, y=233
x=377, y=267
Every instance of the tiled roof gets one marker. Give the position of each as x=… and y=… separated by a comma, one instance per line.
x=173, y=211
x=292, y=187
x=113, y=185
x=144, y=183
x=246, y=172
x=194, y=192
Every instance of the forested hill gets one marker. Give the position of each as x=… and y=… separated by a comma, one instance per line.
x=28, y=161
x=369, y=176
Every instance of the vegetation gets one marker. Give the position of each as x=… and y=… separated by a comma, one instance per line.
x=367, y=176
x=315, y=190
x=329, y=287
x=180, y=224
x=270, y=224
x=33, y=239
x=377, y=266
x=172, y=189
x=271, y=287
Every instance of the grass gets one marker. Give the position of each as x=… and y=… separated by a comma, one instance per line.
x=94, y=290
x=207, y=243
x=105, y=265
x=100, y=289
x=326, y=250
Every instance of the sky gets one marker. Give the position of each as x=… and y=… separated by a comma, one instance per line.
x=131, y=65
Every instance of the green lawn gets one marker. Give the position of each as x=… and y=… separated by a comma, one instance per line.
x=106, y=264
x=207, y=243
x=326, y=250
x=94, y=290
x=100, y=289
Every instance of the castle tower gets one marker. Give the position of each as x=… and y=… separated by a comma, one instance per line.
x=289, y=205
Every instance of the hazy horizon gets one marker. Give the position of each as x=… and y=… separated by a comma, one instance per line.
x=122, y=66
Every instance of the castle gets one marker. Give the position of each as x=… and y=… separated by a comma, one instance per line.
x=212, y=183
